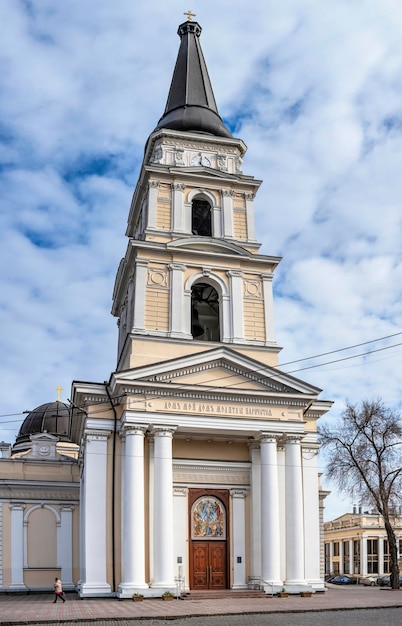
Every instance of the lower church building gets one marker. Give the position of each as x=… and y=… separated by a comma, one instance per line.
x=195, y=465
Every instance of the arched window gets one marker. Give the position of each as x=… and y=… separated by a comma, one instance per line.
x=201, y=218
x=205, y=312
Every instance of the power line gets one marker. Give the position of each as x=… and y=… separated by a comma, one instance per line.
x=275, y=367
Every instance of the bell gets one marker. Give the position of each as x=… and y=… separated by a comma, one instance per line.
x=196, y=328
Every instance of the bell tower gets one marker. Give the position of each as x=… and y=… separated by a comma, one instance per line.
x=192, y=277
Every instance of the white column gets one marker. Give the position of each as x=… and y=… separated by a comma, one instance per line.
x=351, y=565
x=341, y=570
x=17, y=546
x=270, y=527
x=133, y=526
x=363, y=556
x=151, y=497
x=163, y=509
x=294, y=512
x=311, y=505
x=268, y=308
x=178, y=208
x=152, y=203
x=381, y=554
x=236, y=308
x=250, y=216
x=255, y=509
x=139, y=297
x=177, y=312
x=65, y=545
x=239, y=538
x=227, y=206
x=94, y=576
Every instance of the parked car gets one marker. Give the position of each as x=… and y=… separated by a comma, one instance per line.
x=342, y=580
x=385, y=581
x=370, y=580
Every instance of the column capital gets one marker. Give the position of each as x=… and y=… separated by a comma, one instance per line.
x=267, y=277
x=293, y=438
x=134, y=429
x=17, y=506
x=178, y=267
x=67, y=508
x=96, y=435
x=153, y=183
x=267, y=437
x=227, y=193
x=238, y=493
x=178, y=186
x=164, y=431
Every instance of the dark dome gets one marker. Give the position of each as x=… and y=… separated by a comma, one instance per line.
x=52, y=417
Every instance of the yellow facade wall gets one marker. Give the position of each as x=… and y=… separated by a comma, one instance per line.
x=254, y=322
x=157, y=309
x=213, y=451
x=164, y=207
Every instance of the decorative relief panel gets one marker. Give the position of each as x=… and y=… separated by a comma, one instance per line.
x=252, y=289
x=157, y=278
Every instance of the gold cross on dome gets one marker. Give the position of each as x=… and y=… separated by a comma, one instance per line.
x=59, y=389
x=189, y=15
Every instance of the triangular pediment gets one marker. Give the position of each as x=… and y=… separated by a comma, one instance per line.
x=221, y=368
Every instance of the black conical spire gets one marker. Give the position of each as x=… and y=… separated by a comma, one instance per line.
x=191, y=104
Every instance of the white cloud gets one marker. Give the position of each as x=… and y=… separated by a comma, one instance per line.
x=315, y=91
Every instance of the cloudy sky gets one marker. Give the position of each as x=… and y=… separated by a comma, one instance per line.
x=313, y=87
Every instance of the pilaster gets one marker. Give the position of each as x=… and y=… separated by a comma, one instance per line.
x=65, y=544
x=139, y=298
x=239, y=538
x=17, y=546
x=94, y=577
x=178, y=208
x=268, y=308
x=152, y=203
x=227, y=213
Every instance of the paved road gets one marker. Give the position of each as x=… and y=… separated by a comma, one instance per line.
x=363, y=617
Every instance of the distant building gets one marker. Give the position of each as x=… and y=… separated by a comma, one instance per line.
x=356, y=543
x=197, y=460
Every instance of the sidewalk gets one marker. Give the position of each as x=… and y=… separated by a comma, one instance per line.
x=26, y=609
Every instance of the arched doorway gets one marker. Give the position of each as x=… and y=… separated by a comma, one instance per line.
x=208, y=539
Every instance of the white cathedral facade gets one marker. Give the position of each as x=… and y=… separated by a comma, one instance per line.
x=197, y=461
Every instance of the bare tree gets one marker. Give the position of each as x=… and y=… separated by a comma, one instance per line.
x=364, y=452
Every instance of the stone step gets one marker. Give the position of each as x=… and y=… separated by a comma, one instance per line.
x=223, y=594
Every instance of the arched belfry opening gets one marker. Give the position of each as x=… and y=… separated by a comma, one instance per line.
x=201, y=217
x=205, y=318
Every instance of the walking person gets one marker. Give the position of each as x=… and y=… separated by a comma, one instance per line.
x=58, y=590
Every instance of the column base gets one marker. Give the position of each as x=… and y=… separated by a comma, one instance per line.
x=127, y=590
x=94, y=590
x=17, y=586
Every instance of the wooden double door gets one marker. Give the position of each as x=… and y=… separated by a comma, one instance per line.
x=209, y=524
x=208, y=565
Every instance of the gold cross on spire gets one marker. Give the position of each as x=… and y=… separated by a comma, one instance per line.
x=59, y=389
x=189, y=15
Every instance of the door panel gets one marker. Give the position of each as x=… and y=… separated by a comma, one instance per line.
x=209, y=565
